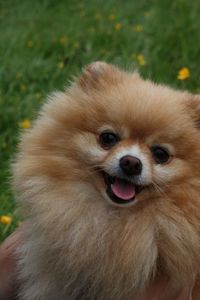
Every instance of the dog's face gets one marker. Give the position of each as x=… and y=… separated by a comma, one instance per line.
x=130, y=139
x=135, y=140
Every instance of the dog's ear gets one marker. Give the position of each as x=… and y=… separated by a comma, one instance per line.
x=194, y=105
x=99, y=74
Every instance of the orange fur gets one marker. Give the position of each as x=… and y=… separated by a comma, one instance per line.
x=77, y=244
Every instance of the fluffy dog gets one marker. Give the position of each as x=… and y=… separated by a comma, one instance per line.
x=108, y=179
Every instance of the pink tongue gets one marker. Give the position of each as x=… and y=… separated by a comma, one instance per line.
x=123, y=189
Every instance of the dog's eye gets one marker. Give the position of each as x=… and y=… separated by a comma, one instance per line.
x=160, y=154
x=108, y=139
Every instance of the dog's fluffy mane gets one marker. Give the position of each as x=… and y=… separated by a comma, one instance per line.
x=77, y=246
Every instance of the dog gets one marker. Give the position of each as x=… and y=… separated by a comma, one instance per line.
x=108, y=179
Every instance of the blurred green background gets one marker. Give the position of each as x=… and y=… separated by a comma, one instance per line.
x=43, y=43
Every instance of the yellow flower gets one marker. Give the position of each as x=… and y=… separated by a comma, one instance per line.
x=25, y=124
x=111, y=17
x=97, y=16
x=104, y=51
x=138, y=28
x=23, y=87
x=60, y=65
x=38, y=96
x=18, y=76
x=118, y=26
x=183, y=73
x=6, y=220
x=147, y=13
x=63, y=40
x=76, y=45
x=141, y=60
x=30, y=44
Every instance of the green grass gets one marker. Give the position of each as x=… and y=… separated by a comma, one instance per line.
x=43, y=43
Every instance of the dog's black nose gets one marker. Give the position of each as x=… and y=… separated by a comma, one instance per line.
x=130, y=165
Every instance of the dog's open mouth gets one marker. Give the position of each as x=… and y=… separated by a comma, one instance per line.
x=119, y=190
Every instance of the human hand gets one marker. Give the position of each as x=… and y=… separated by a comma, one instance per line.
x=8, y=265
x=163, y=289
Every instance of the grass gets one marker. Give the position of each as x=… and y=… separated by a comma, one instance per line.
x=43, y=43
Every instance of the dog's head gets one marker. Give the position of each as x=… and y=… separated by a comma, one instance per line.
x=130, y=138
x=114, y=142
x=134, y=139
